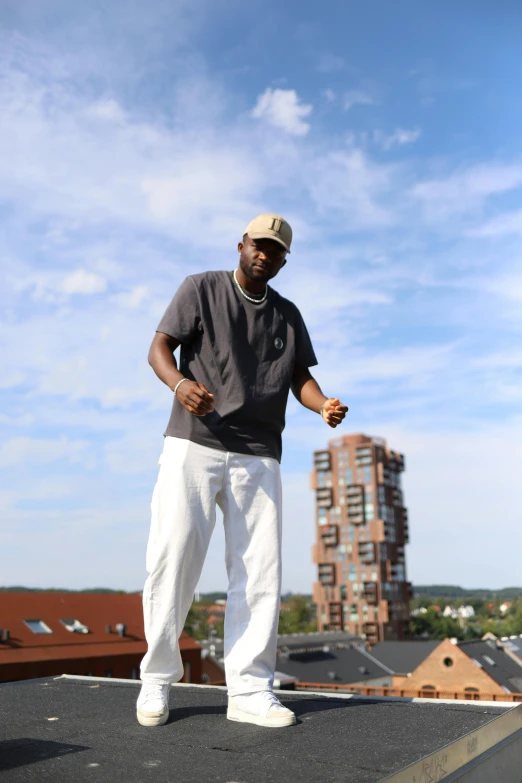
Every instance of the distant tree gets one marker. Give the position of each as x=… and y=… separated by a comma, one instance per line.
x=299, y=616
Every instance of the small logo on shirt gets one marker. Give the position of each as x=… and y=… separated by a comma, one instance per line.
x=278, y=343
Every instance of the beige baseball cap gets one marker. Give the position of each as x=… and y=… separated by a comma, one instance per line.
x=270, y=226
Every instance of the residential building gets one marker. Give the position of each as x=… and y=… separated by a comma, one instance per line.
x=101, y=634
x=362, y=531
x=477, y=666
x=213, y=665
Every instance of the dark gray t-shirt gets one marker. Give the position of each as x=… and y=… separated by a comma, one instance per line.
x=244, y=353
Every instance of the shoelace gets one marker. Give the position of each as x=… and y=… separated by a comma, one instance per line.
x=154, y=690
x=272, y=698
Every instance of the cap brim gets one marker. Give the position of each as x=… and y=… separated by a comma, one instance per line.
x=266, y=235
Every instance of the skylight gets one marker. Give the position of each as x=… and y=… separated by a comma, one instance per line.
x=75, y=626
x=37, y=626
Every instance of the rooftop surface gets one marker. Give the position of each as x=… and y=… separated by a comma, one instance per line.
x=513, y=643
x=403, y=657
x=73, y=729
x=504, y=669
x=337, y=665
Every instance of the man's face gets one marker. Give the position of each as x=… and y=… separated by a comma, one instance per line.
x=261, y=259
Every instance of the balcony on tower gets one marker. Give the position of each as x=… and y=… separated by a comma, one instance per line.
x=330, y=535
x=322, y=460
x=355, y=504
x=324, y=497
x=367, y=552
x=396, y=497
x=363, y=455
x=403, y=528
x=370, y=593
x=335, y=616
x=371, y=632
x=327, y=573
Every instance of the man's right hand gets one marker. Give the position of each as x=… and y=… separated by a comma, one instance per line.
x=195, y=398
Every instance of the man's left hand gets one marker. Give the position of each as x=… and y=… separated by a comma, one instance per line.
x=334, y=411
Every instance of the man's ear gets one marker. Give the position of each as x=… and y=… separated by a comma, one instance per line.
x=240, y=246
x=284, y=262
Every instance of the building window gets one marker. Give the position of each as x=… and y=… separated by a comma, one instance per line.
x=348, y=476
x=352, y=573
x=471, y=690
x=107, y=673
x=134, y=673
x=342, y=592
x=368, y=511
x=448, y=661
x=205, y=678
x=428, y=688
x=37, y=626
x=321, y=479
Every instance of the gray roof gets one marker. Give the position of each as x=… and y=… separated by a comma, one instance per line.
x=514, y=644
x=495, y=661
x=315, y=639
x=300, y=641
x=338, y=665
x=403, y=657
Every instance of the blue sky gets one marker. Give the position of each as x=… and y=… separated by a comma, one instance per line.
x=137, y=141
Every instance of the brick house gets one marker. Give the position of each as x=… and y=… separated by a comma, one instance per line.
x=100, y=634
x=479, y=666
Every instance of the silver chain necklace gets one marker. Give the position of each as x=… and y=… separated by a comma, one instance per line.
x=250, y=299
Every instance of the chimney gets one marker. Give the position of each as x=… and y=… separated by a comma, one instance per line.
x=5, y=635
x=121, y=629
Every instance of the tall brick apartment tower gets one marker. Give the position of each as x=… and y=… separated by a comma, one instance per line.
x=362, y=528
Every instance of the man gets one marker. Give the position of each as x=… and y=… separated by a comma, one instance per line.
x=243, y=346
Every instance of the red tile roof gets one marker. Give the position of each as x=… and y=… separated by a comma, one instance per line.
x=95, y=610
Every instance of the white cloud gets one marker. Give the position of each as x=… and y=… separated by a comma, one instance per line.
x=107, y=110
x=501, y=225
x=133, y=298
x=328, y=63
x=40, y=450
x=398, y=138
x=283, y=109
x=466, y=190
x=353, y=185
x=357, y=98
x=329, y=95
x=82, y=282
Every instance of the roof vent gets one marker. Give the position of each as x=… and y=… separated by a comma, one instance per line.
x=4, y=635
x=108, y=629
x=332, y=676
x=363, y=669
x=121, y=629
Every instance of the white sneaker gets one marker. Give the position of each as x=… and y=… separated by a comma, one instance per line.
x=152, y=707
x=262, y=708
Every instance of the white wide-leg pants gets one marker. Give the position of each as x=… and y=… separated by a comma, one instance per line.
x=192, y=480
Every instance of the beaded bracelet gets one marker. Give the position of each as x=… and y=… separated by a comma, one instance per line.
x=178, y=384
